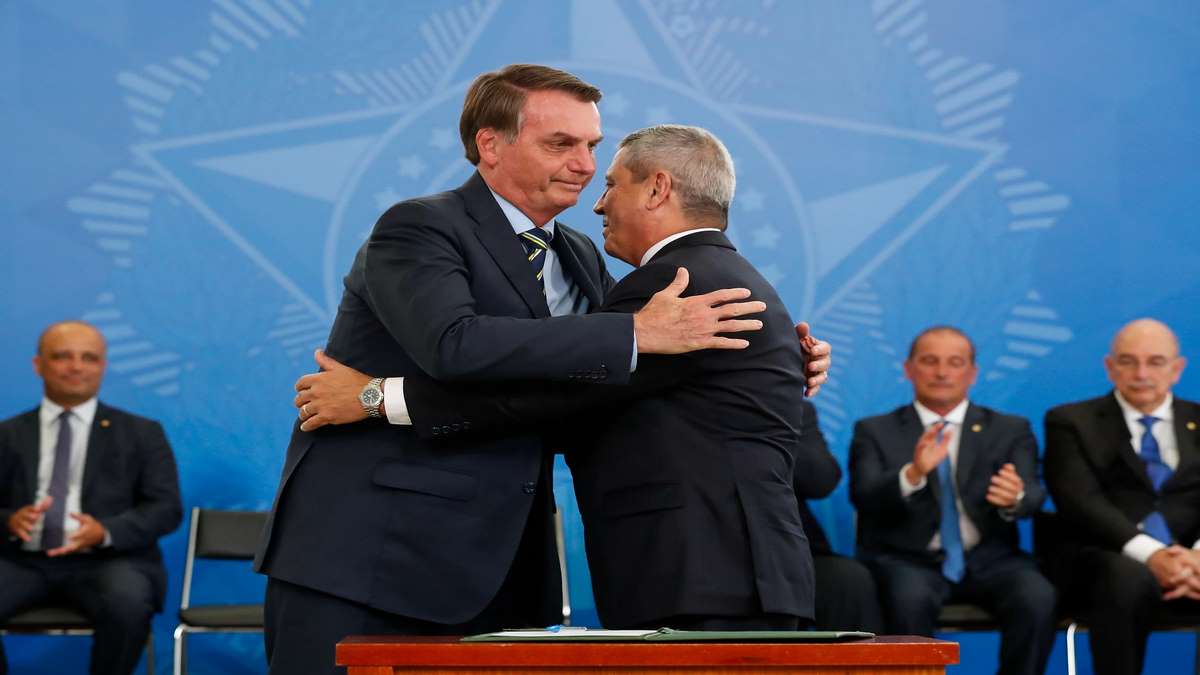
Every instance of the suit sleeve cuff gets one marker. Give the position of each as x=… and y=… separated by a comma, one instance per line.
x=393, y=396
x=907, y=490
x=1141, y=547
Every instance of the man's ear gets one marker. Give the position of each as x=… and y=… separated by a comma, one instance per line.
x=486, y=139
x=660, y=189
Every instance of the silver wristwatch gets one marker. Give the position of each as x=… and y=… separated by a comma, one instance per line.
x=371, y=397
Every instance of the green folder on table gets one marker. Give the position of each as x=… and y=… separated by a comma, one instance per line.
x=579, y=634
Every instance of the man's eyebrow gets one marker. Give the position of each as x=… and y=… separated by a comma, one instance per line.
x=564, y=136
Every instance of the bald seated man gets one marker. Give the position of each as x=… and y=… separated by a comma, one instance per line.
x=86, y=490
x=1124, y=471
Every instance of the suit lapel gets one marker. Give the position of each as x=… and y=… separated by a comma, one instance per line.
x=29, y=444
x=99, y=441
x=496, y=235
x=1110, y=422
x=565, y=247
x=968, y=445
x=909, y=432
x=1187, y=421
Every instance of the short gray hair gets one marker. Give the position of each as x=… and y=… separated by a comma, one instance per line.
x=700, y=167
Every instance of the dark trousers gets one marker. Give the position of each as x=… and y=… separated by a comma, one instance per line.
x=116, y=594
x=303, y=626
x=1012, y=588
x=1118, y=598
x=846, y=598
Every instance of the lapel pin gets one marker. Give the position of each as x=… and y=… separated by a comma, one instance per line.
x=977, y=428
x=105, y=423
x=1191, y=426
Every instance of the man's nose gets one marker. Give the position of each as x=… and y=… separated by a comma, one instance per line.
x=598, y=207
x=582, y=161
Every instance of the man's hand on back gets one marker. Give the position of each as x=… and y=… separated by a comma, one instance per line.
x=670, y=324
x=818, y=356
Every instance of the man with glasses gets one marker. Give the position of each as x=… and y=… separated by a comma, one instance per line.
x=1124, y=471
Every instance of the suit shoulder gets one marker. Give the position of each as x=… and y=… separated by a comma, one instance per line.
x=423, y=209
x=18, y=418
x=126, y=418
x=1002, y=419
x=1192, y=408
x=883, y=422
x=1078, y=409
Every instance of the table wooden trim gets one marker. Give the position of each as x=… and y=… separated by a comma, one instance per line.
x=385, y=655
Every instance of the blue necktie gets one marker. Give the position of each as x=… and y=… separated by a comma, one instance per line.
x=536, y=243
x=60, y=480
x=954, y=566
x=1154, y=524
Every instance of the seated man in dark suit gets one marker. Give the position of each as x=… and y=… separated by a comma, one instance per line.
x=86, y=490
x=683, y=476
x=846, y=597
x=938, y=485
x=1124, y=471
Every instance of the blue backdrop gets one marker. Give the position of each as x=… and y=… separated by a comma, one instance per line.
x=194, y=178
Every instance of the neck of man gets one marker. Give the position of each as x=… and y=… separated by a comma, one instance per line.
x=664, y=230
x=67, y=402
x=495, y=181
x=942, y=408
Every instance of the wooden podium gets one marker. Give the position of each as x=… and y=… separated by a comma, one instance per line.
x=367, y=655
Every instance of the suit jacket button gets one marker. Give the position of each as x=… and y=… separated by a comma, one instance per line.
x=455, y=427
x=529, y=487
x=466, y=425
x=437, y=431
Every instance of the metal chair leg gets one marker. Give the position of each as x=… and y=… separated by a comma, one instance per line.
x=180, y=649
x=1071, y=647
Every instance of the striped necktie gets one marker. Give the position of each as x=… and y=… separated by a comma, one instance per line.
x=1154, y=524
x=536, y=243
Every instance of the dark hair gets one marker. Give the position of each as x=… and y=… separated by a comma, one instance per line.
x=495, y=100
x=912, y=348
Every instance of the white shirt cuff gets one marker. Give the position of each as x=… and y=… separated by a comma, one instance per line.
x=393, y=401
x=633, y=359
x=907, y=490
x=1141, y=547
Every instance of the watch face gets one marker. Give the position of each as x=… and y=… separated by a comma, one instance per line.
x=371, y=396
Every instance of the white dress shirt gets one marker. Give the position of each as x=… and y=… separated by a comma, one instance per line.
x=1142, y=546
x=48, y=425
x=954, y=422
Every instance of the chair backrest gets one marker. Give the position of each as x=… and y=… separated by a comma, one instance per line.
x=220, y=535
x=228, y=535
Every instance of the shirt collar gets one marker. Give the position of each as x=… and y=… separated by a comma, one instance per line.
x=516, y=218
x=85, y=411
x=653, y=250
x=955, y=416
x=1132, y=414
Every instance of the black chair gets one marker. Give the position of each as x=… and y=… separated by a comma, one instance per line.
x=966, y=618
x=60, y=620
x=217, y=535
